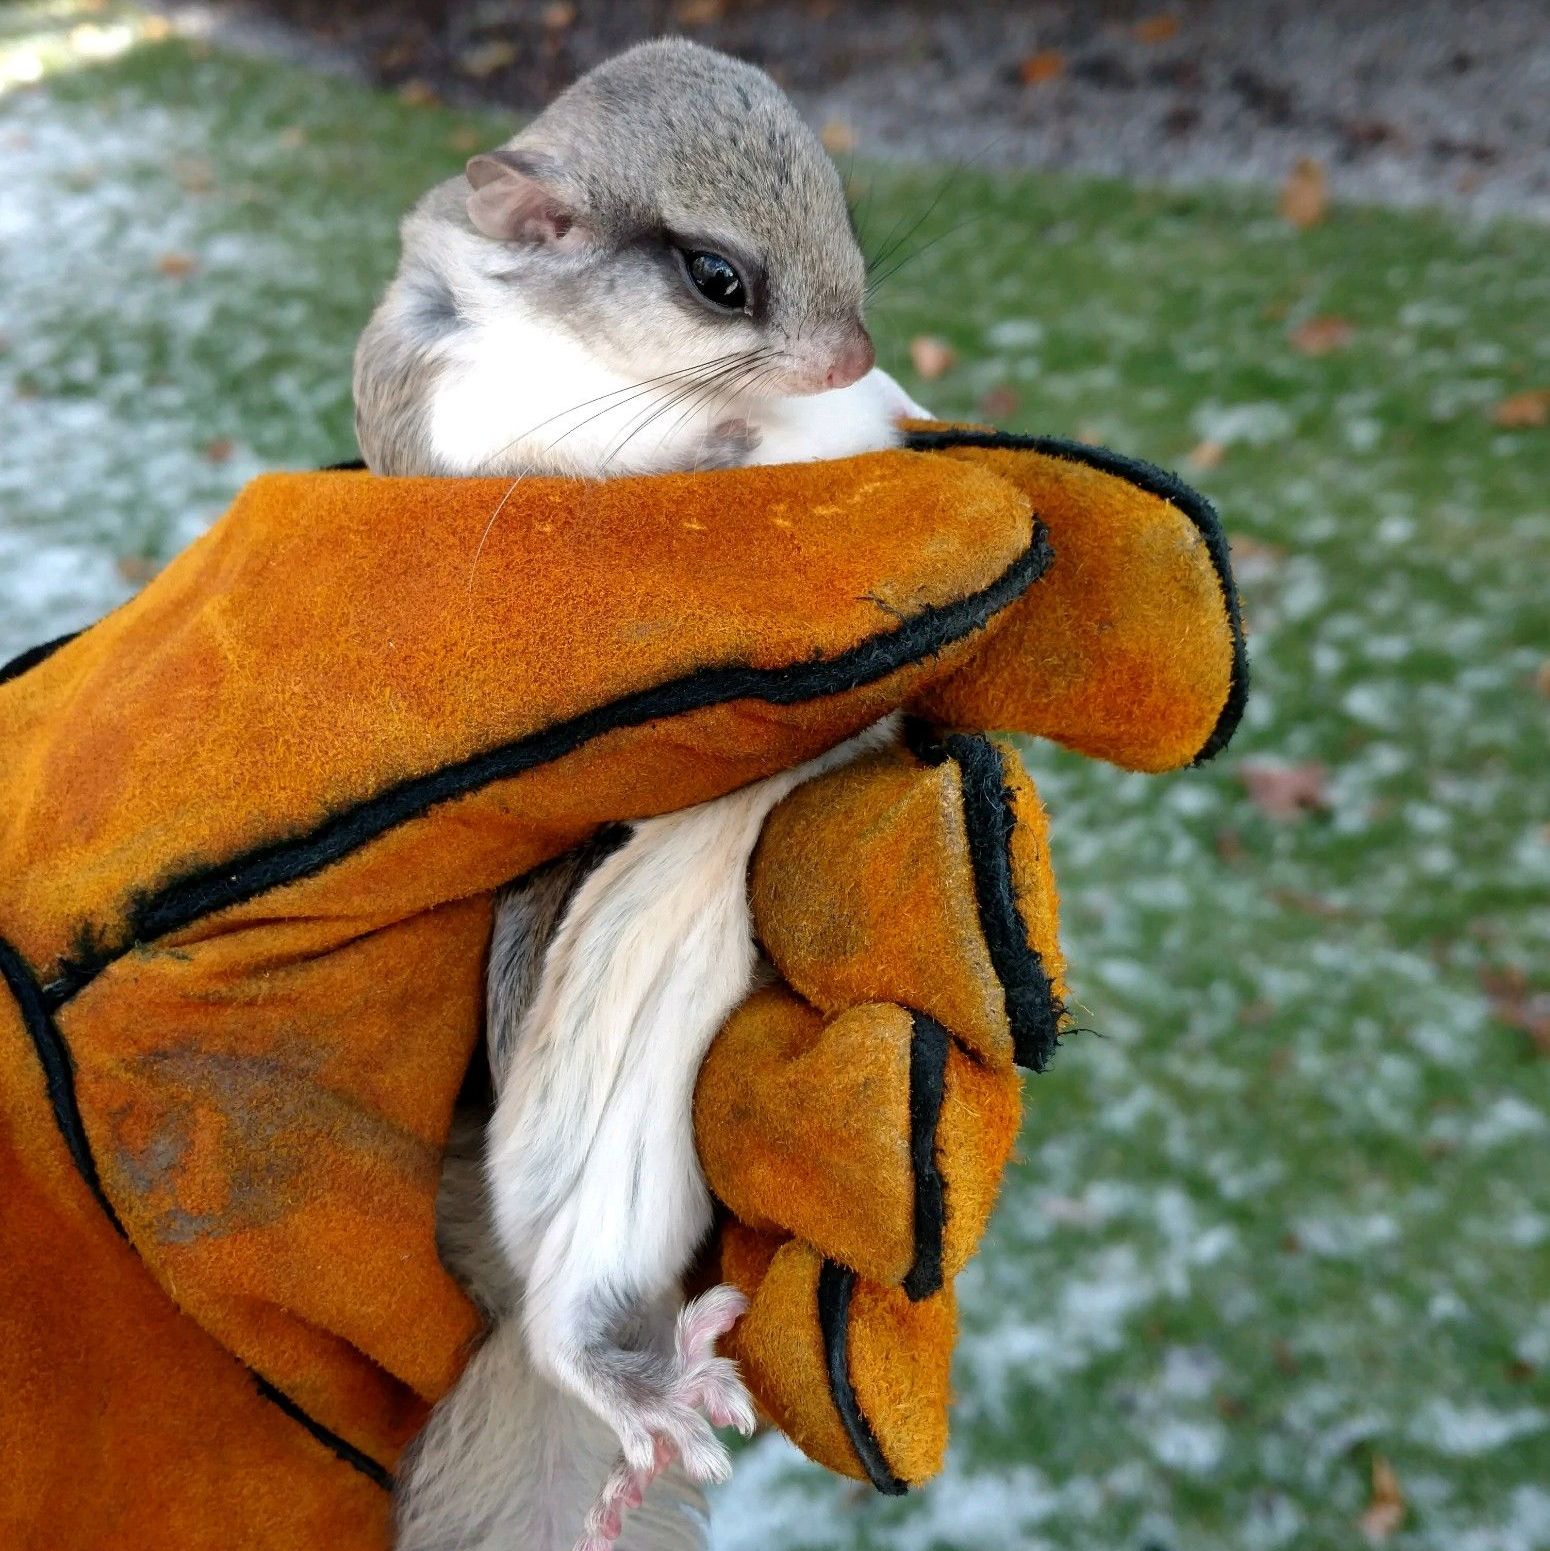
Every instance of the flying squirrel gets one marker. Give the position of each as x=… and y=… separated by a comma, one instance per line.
x=666, y=254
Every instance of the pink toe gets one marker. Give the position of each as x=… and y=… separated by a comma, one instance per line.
x=709, y=1316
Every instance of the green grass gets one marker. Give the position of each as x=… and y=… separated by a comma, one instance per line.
x=1290, y=1208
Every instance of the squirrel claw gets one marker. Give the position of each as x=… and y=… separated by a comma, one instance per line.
x=672, y=1425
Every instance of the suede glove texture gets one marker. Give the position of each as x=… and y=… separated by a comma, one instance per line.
x=854, y=1118
x=253, y=826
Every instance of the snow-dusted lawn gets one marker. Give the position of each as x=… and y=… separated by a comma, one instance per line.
x=1292, y=1209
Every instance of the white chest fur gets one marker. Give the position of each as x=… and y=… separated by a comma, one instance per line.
x=518, y=393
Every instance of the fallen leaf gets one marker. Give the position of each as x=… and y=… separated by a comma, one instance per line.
x=1049, y=64
x=1385, y=1512
x=1310, y=904
x=194, y=174
x=1368, y=132
x=1001, y=403
x=465, y=139
x=1503, y=983
x=1090, y=434
x=1523, y=410
x=1304, y=196
x=484, y=59
x=175, y=266
x=1520, y=1370
x=1207, y=454
x=1254, y=561
x=1231, y=1408
x=1230, y=847
x=1322, y=335
x=1284, y=1358
x=1514, y=1002
x=838, y=137
x=155, y=29
x=219, y=450
x=931, y=356
x=292, y=138
x=1285, y=791
x=1155, y=29
x=1541, y=674
x=395, y=56
x=699, y=13
x=559, y=16
x=136, y=569
x=417, y=94
x=1252, y=551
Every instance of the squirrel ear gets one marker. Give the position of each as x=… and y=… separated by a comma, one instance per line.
x=511, y=203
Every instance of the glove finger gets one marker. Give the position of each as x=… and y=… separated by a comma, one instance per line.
x=921, y=876
x=872, y=1136
x=1131, y=650
x=855, y=1374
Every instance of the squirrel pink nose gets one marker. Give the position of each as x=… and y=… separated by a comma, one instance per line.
x=852, y=361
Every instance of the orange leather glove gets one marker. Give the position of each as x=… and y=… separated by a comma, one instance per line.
x=855, y=1119
x=252, y=825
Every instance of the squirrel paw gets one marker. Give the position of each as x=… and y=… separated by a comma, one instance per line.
x=668, y=1415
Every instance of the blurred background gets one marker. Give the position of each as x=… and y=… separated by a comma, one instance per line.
x=1272, y=1268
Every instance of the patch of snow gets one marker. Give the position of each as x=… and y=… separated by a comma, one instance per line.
x=1194, y=1448
x=1251, y=425
x=1468, y=1431
x=110, y=463
x=1509, y=1119
x=1015, y=334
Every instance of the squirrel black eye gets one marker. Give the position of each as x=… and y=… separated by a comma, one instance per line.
x=716, y=279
